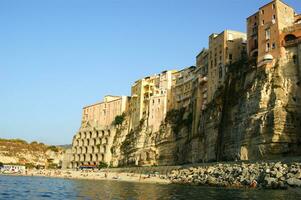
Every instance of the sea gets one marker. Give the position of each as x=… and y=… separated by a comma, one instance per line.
x=18, y=187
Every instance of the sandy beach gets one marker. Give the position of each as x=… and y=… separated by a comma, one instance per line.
x=96, y=175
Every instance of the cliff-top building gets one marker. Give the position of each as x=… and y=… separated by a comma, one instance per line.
x=93, y=141
x=150, y=99
x=270, y=29
x=224, y=49
x=182, y=90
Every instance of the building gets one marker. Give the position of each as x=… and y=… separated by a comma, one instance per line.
x=270, y=29
x=102, y=114
x=224, y=49
x=12, y=169
x=200, y=88
x=182, y=90
x=150, y=99
x=93, y=141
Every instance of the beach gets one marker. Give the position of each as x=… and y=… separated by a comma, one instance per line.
x=95, y=175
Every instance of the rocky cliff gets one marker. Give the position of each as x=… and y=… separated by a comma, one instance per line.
x=255, y=115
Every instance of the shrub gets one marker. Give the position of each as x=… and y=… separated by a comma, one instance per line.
x=119, y=119
x=102, y=165
x=29, y=166
x=1, y=164
x=53, y=148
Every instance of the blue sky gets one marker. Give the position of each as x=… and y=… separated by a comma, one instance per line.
x=57, y=56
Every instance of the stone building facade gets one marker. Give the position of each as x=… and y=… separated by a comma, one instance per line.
x=224, y=49
x=93, y=141
x=182, y=90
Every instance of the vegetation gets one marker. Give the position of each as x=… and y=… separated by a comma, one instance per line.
x=176, y=119
x=53, y=166
x=53, y=148
x=29, y=166
x=1, y=164
x=13, y=140
x=119, y=119
x=102, y=165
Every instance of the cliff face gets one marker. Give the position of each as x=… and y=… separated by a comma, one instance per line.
x=255, y=115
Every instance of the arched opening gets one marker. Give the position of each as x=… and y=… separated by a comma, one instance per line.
x=90, y=157
x=104, y=149
x=94, y=141
x=90, y=134
x=86, y=149
x=102, y=157
x=109, y=132
x=103, y=133
x=93, y=149
x=96, y=157
x=289, y=37
x=84, y=157
x=107, y=141
x=88, y=142
x=97, y=134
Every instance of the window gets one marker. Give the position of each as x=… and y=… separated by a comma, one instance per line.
x=220, y=72
x=262, y=22
x=274, y=17
x=267, y=47
x=273, y=6
x=273, y=45
x=262, y=12
x=267, y=34
x=295, y=59
x=230, y=56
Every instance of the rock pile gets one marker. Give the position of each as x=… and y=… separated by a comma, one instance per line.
x=256, y=175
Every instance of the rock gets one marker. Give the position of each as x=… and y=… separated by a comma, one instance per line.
x=298, y=175
x=268, y=181
x=278, y=174
x=294, y=182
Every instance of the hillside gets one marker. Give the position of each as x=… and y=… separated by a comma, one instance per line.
x=21, y=152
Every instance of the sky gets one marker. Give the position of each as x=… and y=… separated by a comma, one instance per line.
x=58, y=56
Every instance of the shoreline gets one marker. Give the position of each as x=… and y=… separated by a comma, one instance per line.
x=93, y=175
x=249, y=175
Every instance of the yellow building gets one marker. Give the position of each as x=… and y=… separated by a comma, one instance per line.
x=224, y=49
x=150, y=99
x=269, y=29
